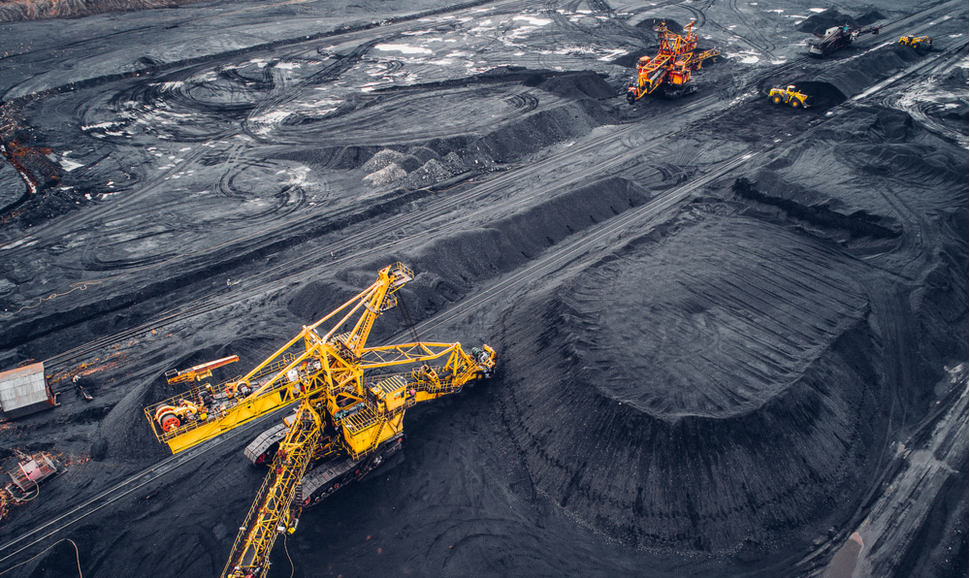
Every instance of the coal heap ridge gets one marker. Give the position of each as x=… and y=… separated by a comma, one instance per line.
x=666, y=448
x=819, y=23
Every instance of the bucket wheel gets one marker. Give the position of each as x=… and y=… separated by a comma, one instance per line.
x=631, y=97
x=169, y=422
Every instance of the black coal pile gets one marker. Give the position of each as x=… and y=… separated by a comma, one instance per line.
x=651, y=23
x=821, y=95
x=855, y=75
x=692, y=421
x=732, y=336
x=820, y=22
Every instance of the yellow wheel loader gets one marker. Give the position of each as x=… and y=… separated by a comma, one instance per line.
x=789, y=95
x=917, y=42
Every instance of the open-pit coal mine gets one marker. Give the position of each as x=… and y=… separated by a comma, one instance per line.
x=730, y=334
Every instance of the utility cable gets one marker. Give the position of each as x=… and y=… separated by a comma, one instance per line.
x=30, y=499
x=287, y=550
x=77, y=557
x=407, y=318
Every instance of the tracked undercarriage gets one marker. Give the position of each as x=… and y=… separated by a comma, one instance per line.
x=326, y=476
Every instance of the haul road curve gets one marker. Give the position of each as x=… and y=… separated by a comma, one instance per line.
x=727, y=332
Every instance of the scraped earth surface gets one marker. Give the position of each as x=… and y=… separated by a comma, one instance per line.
x=732, y=336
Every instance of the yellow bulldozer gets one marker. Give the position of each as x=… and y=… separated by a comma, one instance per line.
x=917, y=42
x=789, y=95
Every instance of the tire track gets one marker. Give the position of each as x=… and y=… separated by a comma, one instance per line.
x=292, y=271
x=564, y=255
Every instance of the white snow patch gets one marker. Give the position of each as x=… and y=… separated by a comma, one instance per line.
x=817, y=10
x=297, y=176
x=288, y=65
x=611, y=54
x=24, y=242
x=268, y=120
x=481, y=29
x=106, y=124
x=534, y=21
x=69, y=165
x=404, y=48
x=321, y=107
x=746, y=57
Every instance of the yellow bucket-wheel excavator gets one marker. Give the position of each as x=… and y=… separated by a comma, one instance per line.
x=790, y=96
x=349, y=410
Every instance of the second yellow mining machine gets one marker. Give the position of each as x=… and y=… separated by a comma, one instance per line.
x=349, y=402
x=789, y=96
x=917, y=42
x=671, y=67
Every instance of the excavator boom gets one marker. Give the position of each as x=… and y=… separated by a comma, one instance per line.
x=349, y=410
x=306, y=365
x=272, y=512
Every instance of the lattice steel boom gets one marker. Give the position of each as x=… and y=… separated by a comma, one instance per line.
x=347, y=420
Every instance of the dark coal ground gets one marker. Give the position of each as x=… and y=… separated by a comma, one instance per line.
x=731, y=335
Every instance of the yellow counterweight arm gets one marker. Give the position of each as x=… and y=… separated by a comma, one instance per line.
x=285, y=377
